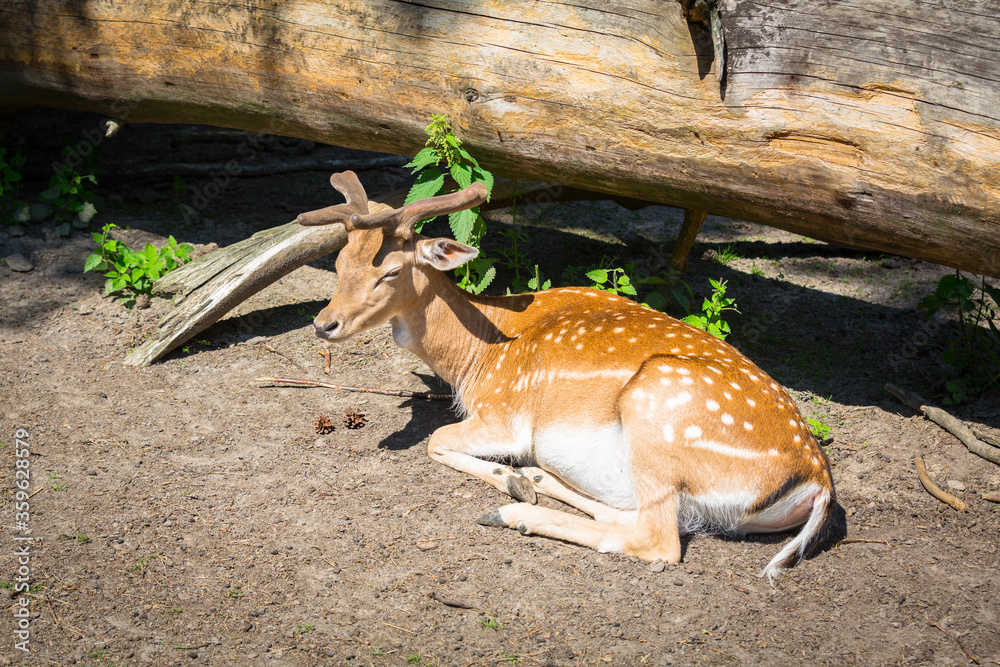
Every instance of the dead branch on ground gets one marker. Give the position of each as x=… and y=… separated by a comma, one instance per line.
x=366, y=390
x=936, y=490
x=947, y=422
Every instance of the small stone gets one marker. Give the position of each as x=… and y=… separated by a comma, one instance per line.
x=84, y=309
x=678, y=582
x=193, y=655
x=427, y=545
x=657, y=566
x=18, y=262
x=955, y=485
x=41, y=211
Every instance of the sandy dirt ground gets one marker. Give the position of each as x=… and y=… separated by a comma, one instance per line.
x=182, y=514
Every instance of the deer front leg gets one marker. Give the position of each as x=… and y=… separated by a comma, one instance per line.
x=459, y=445
x=653, y=537
x=547, y=484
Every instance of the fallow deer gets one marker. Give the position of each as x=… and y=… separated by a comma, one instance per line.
x=652, y=427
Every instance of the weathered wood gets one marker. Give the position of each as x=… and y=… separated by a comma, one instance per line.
x=212, y=285
x=685, y=240
x=872, y=124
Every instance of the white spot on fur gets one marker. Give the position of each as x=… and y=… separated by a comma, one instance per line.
x=748, y=426
x=734, y=386
x=727, y=419
x=751, y=402
x=711, y=405
x=692, y=432
x=679, y=399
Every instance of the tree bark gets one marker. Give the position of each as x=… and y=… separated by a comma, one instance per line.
x=873, y=124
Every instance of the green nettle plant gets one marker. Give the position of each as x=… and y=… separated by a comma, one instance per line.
x=12, y=210
x=443, y=156
x=130, y=273
x=710, y=317
x=71, y=194
x=974, y=353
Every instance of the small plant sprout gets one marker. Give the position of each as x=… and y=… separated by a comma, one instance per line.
x=377, y=651
x=726, y=255
x=140, y=565
x=414, y=659
x=174, y=611
x=304, y=628
x=513, y=658
x=819, y=430
x=710, y=319
x=492, y=622
x=235, y=593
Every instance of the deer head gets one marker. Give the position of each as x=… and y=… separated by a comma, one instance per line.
x=383, y=268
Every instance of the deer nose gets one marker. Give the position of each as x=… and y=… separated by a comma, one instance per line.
x=326, y=329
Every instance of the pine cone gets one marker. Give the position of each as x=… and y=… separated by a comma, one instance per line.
x=323, y=425
x=354, y=419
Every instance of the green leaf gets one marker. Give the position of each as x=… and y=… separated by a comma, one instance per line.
x=462, y=223
x=467, y=157
x=150, y=252
x=462, y=173
x=94, y=263
x=695, y=321
x=486, y=178
x=98, y=238
x=425, y=158
x=428, y=184
x=171, y=242
x=599, y=276
x=627, y=289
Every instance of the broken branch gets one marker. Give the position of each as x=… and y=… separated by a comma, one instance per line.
x=935, y=490
x=366, y=390
x=947, y=422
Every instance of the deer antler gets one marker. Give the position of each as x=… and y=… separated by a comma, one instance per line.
x=347, y=184
x=354, y=214
x=406, y=217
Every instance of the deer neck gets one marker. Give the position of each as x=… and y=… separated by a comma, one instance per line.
x=448, y=330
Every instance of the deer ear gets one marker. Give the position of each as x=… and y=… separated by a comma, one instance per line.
x=444, y=254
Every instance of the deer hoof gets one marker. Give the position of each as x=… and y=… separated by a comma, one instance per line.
x=521, y=489
x=492, y=519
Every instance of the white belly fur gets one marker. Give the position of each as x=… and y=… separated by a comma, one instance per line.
x=592, y=460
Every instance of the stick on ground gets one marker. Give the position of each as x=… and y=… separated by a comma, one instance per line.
x=935, y=490
x=366, y=390
x=947, y=422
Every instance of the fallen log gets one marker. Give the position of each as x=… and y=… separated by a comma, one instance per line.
x=873, y=124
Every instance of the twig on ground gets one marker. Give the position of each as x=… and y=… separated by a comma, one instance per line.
x=326, y=355
x=986, y=437
x=399, y=628
x=954, y=639
x=279, y=352
x=935, y=490
x=366, y=390
x=992, y=497
x=947, y=422
x=450, y=602
x=854, y=540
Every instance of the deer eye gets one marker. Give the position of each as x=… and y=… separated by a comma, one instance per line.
x=389, y=276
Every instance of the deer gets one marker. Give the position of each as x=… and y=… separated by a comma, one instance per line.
x=651, y=427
